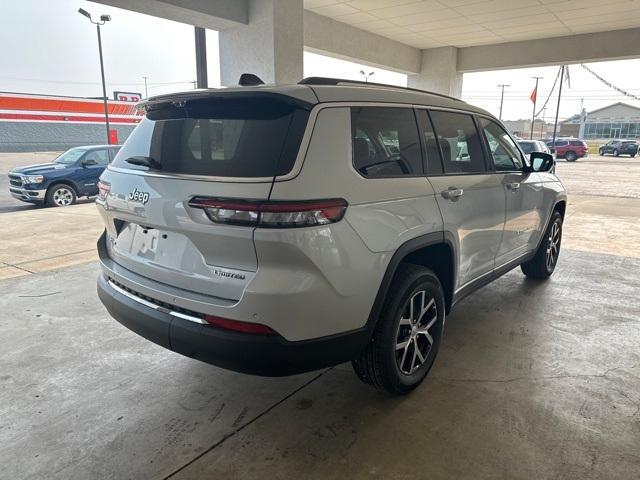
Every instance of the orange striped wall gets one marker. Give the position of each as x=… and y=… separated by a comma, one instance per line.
x=26, y=107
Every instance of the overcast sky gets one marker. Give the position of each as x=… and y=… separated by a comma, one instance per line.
x=47, y=47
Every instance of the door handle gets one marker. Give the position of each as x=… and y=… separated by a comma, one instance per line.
x=513, y=186
x=452, y=193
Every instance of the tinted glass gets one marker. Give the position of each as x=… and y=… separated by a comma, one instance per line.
x=459, y=142
x=576, y=143
x=527, y=147
x=385, y=142
x=432, y=161
x=502, y=148
x=222, y=138
x=101, y=157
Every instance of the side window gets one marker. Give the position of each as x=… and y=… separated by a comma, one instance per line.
x=99, y=156
x=433, y=163
x=112, y=153
x=459, y=142
x=385, y=142
x=503, y=150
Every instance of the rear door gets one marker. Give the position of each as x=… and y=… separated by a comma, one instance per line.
x=524, y=197
x=471, y=198
x=229, y=149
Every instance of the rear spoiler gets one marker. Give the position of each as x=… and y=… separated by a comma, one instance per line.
x=218, y=94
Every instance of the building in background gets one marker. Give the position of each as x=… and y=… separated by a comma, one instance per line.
x=522, y=128
x=619, y=120
x=48, y=123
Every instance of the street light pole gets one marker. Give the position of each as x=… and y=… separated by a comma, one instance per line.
x=502, y=97
x=104, y=86
x=103, y=19
x=146, y=93
x=366, y=75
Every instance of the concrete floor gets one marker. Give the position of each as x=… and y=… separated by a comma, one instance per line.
x=534, y=380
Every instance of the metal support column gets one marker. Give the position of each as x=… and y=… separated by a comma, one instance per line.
x=201, y=58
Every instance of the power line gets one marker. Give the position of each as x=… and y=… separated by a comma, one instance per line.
x=72, y=82
x=609, y=84
x=544, y=105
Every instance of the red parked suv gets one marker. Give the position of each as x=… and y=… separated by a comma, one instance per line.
x=569, y=148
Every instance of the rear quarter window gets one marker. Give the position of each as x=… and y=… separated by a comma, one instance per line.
x=221, y=138
x=385, y=142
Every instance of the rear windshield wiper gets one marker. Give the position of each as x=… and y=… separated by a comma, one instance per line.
x=144, y=162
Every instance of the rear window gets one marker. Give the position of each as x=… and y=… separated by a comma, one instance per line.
x=220, y=138
x=577, y=143
x=527, y=147
x=629, y=143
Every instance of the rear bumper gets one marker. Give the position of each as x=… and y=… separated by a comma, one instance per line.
x=246, y=353
x=33, y=196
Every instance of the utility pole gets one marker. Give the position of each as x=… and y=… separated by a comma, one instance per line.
x=555, y=125
x=544, y=111
x=502, y=97
x=535, y=99
x=146, y=92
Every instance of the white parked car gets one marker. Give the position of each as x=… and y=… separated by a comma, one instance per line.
x=274, y=230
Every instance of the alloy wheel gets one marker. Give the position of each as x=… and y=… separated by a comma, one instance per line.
x=553, y=247
x=62, y=197
x=414, y=336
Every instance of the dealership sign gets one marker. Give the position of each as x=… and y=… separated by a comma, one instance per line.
x=127, y=96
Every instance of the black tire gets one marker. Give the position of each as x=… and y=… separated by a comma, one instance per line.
x=382, y=362
x=540, y=267
x=61, y=195
x=616, y=153
x=571, y=156
x=601, y=152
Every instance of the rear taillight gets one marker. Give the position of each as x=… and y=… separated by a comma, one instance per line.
x=271, y=214
x=238, y=326
x=103, y=189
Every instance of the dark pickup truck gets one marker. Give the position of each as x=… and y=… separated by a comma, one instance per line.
x=73, y=174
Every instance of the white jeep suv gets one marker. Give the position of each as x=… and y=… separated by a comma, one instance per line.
x=274, y=230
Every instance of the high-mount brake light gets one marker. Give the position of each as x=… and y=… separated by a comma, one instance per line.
x=274, y=214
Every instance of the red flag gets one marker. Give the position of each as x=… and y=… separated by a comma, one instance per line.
x=534, y=95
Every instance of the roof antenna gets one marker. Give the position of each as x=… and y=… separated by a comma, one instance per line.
x=249, y=80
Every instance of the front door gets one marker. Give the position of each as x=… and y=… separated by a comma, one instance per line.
x=524, y=195
x=88, y=174
x=471, y=198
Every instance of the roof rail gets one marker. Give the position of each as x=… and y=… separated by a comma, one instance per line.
x=343, y=81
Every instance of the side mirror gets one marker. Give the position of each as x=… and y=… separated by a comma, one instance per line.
x=541, y=162
x=89, y=161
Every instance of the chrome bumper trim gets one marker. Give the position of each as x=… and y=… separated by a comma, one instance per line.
x=24, y=194
x=156, y=307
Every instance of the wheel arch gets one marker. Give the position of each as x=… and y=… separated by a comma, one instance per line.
x=436, y=251
x=64, y=181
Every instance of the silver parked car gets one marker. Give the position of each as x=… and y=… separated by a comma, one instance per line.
x=273, y=230
x=530, y=146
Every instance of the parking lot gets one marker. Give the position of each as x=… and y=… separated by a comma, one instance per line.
x=534, y=380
